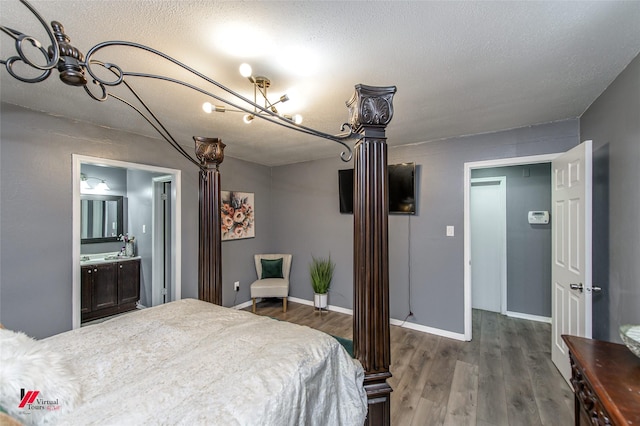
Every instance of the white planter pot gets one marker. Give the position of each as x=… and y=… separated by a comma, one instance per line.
x=320, y=300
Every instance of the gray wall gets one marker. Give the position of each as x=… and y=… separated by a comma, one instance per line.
x=613, y=123
x=237, y=255
x=528, y=246
x=425, y=266
x=36, y=223
x=307, y=221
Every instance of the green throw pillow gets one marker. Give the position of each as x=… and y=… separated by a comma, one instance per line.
x=271, y=268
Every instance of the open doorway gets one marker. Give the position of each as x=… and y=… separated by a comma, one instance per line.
x=488, y=212
x=468, y=271
x=140, y=221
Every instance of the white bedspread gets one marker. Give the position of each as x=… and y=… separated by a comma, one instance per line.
x=191, y=362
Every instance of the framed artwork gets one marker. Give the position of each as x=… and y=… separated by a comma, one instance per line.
x=238, y=215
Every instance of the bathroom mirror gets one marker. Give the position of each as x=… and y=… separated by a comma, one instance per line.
x=101, y=218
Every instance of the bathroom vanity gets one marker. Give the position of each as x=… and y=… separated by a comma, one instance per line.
x=110, y=284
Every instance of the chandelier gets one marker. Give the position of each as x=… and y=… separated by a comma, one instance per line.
x=261, y=86
x=81, y=70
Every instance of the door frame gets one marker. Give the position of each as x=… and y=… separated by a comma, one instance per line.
x=502, y=188
x=485, y=164
x=76, y=161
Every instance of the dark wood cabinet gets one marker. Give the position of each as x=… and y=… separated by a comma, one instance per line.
x=128, y=282
x=85, y=289
x=103, y=293
x=109, y=288
x=606, y=381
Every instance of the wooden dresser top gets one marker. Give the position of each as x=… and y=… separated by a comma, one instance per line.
x=613, y=372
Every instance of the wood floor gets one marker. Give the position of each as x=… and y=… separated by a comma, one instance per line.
x=504, y=376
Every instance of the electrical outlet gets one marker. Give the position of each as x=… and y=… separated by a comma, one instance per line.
x=236, y=286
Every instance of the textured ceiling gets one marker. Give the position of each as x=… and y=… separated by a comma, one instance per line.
x=460, y=67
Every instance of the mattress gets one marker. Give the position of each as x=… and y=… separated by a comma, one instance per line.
x=192, y=362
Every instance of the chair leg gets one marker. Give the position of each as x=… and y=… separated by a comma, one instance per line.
x=284, y=304
x=254, y=305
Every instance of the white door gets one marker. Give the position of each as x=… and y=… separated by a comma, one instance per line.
x=571, y=250
x=488, y=243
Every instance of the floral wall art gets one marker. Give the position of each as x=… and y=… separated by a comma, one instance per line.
x=237, y=215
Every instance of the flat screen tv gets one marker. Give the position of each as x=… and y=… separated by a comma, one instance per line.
x=402, y=189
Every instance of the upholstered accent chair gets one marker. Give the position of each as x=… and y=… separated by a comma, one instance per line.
x=273, y=277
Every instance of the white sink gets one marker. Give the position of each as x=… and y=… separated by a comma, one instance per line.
x=102, y=258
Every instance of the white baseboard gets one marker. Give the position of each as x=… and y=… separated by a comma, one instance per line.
x=302, y=301
x=243, y=305
x=430, y=330
x=529, y=317
x=410, y=325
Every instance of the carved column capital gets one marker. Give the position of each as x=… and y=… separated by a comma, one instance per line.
x=210, y=151
x=371, y=106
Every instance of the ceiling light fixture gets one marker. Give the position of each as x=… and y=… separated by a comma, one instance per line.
x=260, y=86
x=84, y=183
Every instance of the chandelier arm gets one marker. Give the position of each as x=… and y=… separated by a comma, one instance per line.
x=263, y=92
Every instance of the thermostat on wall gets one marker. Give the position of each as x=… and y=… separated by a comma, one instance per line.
x=539, y=217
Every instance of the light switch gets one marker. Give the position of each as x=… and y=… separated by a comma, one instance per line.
x=144, y=229
x=450, y=231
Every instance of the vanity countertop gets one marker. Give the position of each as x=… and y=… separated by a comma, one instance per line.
x=98, y=258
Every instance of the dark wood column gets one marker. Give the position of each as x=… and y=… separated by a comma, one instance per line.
x=371, y=109
x=210, y=152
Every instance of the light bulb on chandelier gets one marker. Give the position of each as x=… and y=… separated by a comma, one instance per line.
x=260, y=86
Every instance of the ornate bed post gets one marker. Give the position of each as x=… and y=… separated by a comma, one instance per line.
x=371, y=110
x=210, y=152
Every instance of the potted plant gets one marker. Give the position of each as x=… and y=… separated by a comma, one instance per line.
x=321, y=271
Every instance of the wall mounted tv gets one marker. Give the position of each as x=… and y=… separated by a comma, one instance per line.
x=402, y=189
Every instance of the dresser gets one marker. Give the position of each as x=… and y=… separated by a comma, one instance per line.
x=606, y=382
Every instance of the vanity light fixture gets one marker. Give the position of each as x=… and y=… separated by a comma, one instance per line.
x=84, y=184
x=260, y=86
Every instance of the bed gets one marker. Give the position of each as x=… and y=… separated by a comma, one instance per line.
x=196, y=363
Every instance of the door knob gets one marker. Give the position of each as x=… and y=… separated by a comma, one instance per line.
x=578, y=287
x=596, y=289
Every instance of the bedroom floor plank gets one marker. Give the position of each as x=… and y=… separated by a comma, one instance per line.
x=407, y=390
x=434, y=377
x=463, y=399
